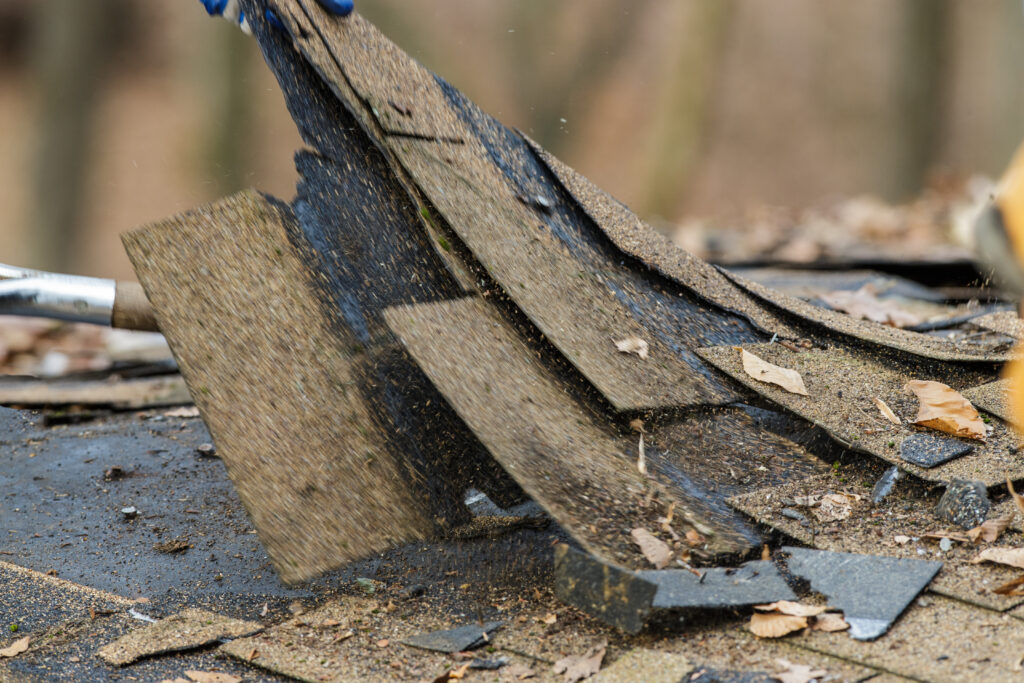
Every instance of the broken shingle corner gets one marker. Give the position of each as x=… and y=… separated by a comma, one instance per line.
x=871, y=591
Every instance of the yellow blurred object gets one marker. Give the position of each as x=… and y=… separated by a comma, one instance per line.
x=999, y=234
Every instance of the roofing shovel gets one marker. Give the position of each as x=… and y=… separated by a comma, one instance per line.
x=75, y=299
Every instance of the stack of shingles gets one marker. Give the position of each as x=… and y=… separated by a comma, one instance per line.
x=557, y=281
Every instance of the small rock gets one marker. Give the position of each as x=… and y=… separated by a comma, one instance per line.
x=206, y=450
x=130, y=512
x=793, y=514
x=965, y=503
x=416, y=590
x=114, y=473
x=885, y=484
x=945, y=545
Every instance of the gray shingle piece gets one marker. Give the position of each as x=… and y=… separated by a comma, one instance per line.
x=458, y=639
x=871, y=590
x=927, y=450
x=753, y=583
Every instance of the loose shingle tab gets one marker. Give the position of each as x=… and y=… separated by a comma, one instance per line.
x=872, y=591
x=930, y=450
x=753, y=583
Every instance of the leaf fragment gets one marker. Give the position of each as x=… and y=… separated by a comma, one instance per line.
x=886, y=411
x=654, y=549
x=1011, y=557
x=829, y=622
x=833, y=507
x=944, y=409
x=792, y=608
x=633, y=345
x=15, y=648
x=763, y=371
x=1011, y=588
x=796, y=673
x=865, y=304
x=578, y=667
x=990, y=530
x=775, y=625
x=1017, y=498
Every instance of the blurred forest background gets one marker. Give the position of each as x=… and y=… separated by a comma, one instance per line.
x=114, y=113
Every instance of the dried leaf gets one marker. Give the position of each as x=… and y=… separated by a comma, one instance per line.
x=1011, y=557
x=516, y=672
x=633, y=345
x=694, y=539
x=775, y=625
x=637, y=425
x=829, y=623
x=1017, y=498
x=990, y=530
x=901, y=540
x=864, y=304
x=763, y=371
x=794, y=609
x=1011, y=588
x=833, y=507
x=944, y=409
x=886, y=411
x=211, y=677
x=548, y=618
x=185, y=411
x=796, y=673
x=654, y=549
x=15, y=648
x=576, y=668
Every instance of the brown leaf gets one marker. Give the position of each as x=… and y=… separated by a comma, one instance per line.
x=944, y=409
x=548, y=618
x=1017, y=498
x=829, y=623
x=1011, y=557
x=15, y=648
x=654, y=549
x=793, y=609
x=576, y=668
x=633, y=345
x=694, y=539
x=763, y=371
x=775, y=625
x=1011, y=587
x=212, y=677
x=990, y=530
x=886, y=411
x=864, y=304
x=833, y=507
x=796, y=673
x=516, y=672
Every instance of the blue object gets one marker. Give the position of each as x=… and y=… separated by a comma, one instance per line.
x=214, y=8
x=273, y=20
x=340, y=7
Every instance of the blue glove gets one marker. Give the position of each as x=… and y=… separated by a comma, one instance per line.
x=230, y=10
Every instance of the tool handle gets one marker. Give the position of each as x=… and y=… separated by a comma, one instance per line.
x=132, y=310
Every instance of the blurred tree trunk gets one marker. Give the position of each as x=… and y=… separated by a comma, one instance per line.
x=70, y=54
x=919, y=90
x=681, y=116
x=226, y=78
